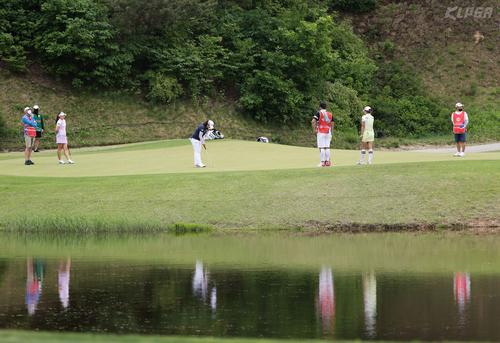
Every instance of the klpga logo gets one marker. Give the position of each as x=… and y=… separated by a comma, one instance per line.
x=456, y=12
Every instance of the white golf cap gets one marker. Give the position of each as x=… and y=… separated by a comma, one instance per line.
x=459, y=104
x=26, y=109
x=36, y=107
x=210, y=125
x=367, y=109
x=62, y=114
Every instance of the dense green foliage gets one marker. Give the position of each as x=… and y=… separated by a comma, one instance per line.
x=275, y=59
x=2, y=126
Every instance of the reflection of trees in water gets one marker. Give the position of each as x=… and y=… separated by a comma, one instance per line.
x=370, y=303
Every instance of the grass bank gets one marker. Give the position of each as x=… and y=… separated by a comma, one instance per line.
x=270, y=187
x=10, y=336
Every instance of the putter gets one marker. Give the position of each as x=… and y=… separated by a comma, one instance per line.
x=208, y=159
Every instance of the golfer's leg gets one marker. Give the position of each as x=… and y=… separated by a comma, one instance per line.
x=59, y=148
x=370, y=152
x=30, y=149
x=66, y=152
x=328, y=140
x=197, y=152
x=320, y=146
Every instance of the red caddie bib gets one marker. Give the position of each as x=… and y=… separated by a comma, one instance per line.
x=325, y=122
x=458, y=122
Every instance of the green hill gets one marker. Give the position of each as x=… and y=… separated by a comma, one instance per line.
x=424, y=63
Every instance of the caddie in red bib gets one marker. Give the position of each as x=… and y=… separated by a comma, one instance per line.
x=460, y=120
x=322, y=124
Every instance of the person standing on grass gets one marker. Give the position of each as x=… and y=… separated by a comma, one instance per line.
x=61, y=138
x=367, y=135
x=198, y=140
x=460, y=120
x=29, y=135
x=39, y=128
x=322, y=124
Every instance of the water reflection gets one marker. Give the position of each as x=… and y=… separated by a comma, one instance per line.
x=34, y=283
x=326, y=300
x=461, y=293
x=370, y=303
x=200, y=285
x=35, y=272
x=202, y=299
x=63, y=281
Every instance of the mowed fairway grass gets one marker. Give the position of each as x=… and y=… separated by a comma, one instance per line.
x=246, y=185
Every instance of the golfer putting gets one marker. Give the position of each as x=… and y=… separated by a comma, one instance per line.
x=322, y=124
x=198, y=141
x=367, y=136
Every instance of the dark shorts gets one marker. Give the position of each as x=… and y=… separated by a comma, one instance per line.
x=459, y=137
x=39, y=134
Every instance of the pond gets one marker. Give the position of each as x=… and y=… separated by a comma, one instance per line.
x=300, y=289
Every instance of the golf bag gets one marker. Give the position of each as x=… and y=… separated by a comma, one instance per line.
x=213, y=134
x=263, y=140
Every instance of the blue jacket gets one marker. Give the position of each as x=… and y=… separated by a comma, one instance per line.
x=27, y=122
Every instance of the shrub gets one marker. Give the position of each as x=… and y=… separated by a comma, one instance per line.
x=163, y=88
x=3, y=128
x=353, y=5
x=74, y=38
x=345, y=105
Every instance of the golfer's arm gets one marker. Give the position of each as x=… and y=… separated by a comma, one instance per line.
x=314, y=124
x=362, y=127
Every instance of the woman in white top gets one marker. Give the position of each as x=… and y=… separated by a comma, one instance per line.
x=367, y=135
x=62, y=139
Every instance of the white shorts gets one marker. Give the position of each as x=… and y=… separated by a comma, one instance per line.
x=368, y=136
x=324, y=140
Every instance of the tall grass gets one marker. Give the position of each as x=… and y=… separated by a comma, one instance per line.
x=96, y=225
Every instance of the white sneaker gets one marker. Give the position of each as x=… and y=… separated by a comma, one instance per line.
x=462, y=154
x=457, y=154
x=62, y=162
x=360, y=163
x=200, y=166
x=71, y=162
x=370, y=162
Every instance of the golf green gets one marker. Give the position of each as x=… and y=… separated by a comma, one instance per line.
x=221, y=156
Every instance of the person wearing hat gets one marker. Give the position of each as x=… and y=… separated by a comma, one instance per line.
x=322, y=124
x=29, y=135
x=39, y=128
x=367, y=135
x=460, y=120
x=62, y=139
x=198, y=140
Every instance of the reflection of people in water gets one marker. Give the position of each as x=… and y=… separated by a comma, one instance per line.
x=200, y=281
x=326, y=300
x=370, y=302
x=63, y=281
x=200, y=285
x=34, y=283
x=461, y=291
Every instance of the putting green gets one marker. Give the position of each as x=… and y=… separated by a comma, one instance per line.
x=177, y=157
